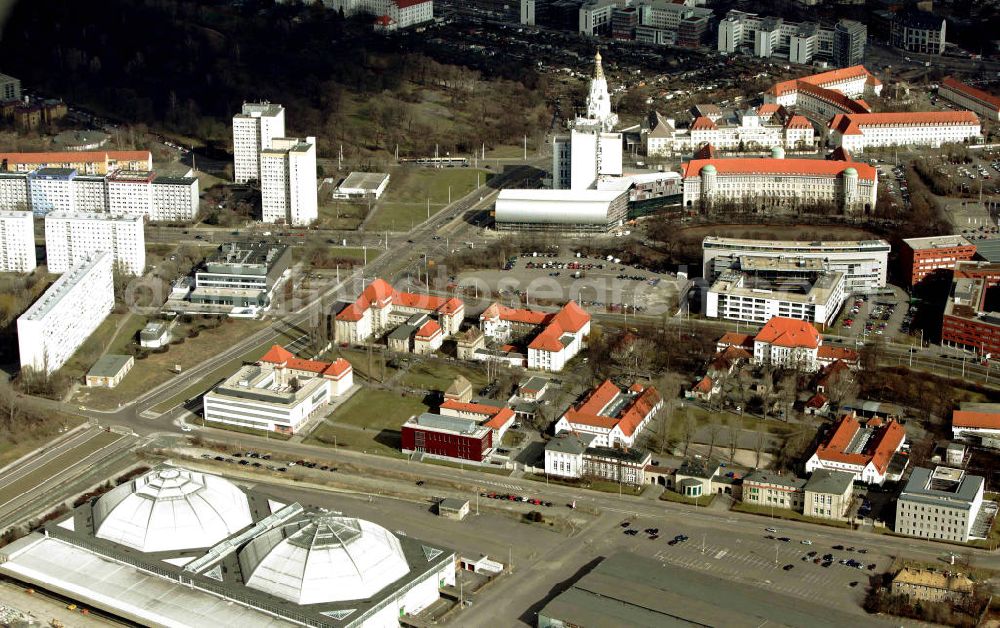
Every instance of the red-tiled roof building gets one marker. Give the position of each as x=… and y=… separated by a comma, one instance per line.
x=857, y=131
x=863, y=450
x=979, y=101
x=615, y=417
x=380, y=307
x=99, y=162
x=554, y=338
x=769, y=182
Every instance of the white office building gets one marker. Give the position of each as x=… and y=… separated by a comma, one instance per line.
x=799, y=42
x=753, y=129
x=391, y=14
x=17, y=239
x=863, y=262
x=856, y=132
x=944, y=504
x=253, y=129
x=55, y=326
x=71, y=237
x=288, y=181
x=765, y=288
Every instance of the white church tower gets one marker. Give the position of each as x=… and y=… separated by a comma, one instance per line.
x=599, y=101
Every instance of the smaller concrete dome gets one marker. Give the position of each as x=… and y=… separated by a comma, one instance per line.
x=709, y=169
x=777, y=152
x=850, y=172
x=319, y=558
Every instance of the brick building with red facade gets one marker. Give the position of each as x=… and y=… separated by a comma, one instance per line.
x=970, y=321
x=447, y=437
x=920, y=257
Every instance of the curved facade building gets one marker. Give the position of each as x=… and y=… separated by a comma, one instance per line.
x=760, y=183
x=561, y=210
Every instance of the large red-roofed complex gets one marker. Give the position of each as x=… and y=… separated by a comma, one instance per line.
x=615, y=417
x=380, y=307
x=827, y=94
x=767, y=183
x=339, y=373
x=983, y=103
x=557, y=337
x=864, y=451
x=856, y=132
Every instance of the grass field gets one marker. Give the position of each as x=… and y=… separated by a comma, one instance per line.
x=157, y=368
x=220, y=373
x=369, y=422
x=405, y=203
x=781, y=513
x=438, y=375
x=341, y=215
x=245, y=430
x=11, y=451
x=670, y=496
x=603, y=486
x=57, y=464
x=377, y=409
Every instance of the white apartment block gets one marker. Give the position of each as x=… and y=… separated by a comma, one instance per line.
x=17, y=242
x=90, y=193
x=174, y=199
x=71, y=237
x=163, y=198
x=863, y=262
x=253, y=129
x=51, y=189
x=129, y=191
x=13, y=192
x=52, y=329
x=856, y=132
x=773, y=183
x=288, y=181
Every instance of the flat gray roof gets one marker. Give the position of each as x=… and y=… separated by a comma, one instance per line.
x=626, y=589
x=827, y=481
x=109, y=365
x=570, y=442
x=923, y=488
x=364, y=180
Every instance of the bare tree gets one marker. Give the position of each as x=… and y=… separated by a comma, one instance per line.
x=688, y=427
x=733, y=430
x=841, y=386
x=714, y=430
x=634, y=356
x=758, y=446
x=787, y=391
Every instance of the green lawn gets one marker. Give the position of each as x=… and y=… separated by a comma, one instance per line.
x=12, y=450
x=377, y=409
x=405, y=203
x=341, y=215
x=246, y=430
x=359, y=360
x=669, y=495
x=438, y=375
x=604, y=486
x=469, y=467
x=781, y=513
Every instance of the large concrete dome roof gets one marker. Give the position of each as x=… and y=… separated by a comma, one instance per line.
x=171, y=509
x=322, y=558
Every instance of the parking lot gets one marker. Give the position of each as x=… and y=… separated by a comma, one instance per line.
x=894, y=180
x=597, y=284
x=806, y=568
x=868, y=316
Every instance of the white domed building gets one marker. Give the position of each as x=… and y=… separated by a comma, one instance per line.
x=179, y=547
x=171, y=509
